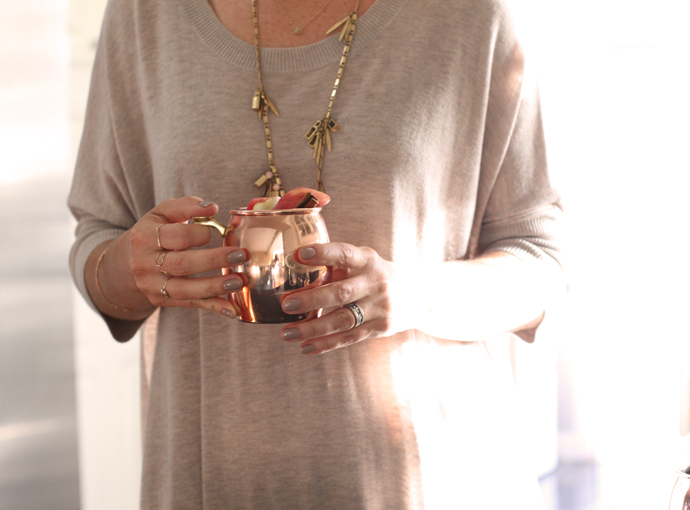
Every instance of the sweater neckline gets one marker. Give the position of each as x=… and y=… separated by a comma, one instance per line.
x=286, y=60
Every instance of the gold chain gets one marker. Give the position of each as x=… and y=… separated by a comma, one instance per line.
x=273, y=185
x=297, y=30
x=319, y=135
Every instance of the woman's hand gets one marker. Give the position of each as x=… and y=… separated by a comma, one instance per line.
x=475, y=300
x=360, y=276
x=150, y=265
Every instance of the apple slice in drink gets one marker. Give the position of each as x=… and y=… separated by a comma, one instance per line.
x=262, y=203
x=292, y=199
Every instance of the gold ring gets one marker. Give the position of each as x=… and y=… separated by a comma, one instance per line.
x=163, y=291
x=158, y=235
x=160, y=255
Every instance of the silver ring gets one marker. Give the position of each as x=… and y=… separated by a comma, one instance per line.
x=357, y=312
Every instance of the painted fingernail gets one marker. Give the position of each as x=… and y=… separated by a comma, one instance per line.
x=291, y=334
x=205, y=203
x=236, y=257
x=307, y=349
x=232, y=285
x=291, y=305
x=229, y=313
x=307, y=253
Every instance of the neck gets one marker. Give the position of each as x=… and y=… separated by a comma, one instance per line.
x=275, y=29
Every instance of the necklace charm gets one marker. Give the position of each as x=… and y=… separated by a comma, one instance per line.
x=256, y=101
x=261, y=101
x=298, y=30
x=271, y=182
x=319, y=138
x=319, y=133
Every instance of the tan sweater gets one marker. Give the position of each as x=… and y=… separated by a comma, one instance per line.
x=440, y=156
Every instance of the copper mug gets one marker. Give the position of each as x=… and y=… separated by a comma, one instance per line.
x=272, y=238
x=680, y=497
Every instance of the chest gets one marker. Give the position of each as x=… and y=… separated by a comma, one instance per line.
x=409, y=137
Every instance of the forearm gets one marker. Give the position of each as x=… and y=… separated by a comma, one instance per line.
x=485, y=297
x=111, y=283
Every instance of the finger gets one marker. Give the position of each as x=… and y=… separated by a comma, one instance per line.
x=180, y=236
x=341, y=255
x=182, y=289
x=188, y=262
x=217, y=304
x=370, y=329
x=337, y=321
x=331, y=295
x=181, y=210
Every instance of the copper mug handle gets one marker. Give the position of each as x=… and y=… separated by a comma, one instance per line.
x=210, y=221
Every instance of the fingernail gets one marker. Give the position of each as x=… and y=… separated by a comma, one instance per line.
x=236, y=257
x=307, y=253
x=205, y=203
x=229, y=313
x=291, y=305
x=233, y=284
x=307, y=349
x=291, y=334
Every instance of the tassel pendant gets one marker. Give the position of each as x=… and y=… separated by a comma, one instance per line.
x=319, y=137
x=261, y=101
x=271, y=182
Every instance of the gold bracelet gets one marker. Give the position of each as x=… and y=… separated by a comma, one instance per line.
x=98, y=286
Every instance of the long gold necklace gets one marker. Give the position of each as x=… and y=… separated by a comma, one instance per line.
x=319, y=135
x=298, y=30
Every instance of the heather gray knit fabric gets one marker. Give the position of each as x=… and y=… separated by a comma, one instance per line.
x=440, y=156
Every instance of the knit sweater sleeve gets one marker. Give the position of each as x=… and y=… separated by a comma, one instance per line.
x=520, y=204
x=523, y=210
x=102, y=197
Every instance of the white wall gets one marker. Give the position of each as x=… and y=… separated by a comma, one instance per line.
x=107, y=372
x=614, y=84
x=108, y=415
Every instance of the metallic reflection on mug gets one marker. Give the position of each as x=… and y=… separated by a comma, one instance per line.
x=272, y=237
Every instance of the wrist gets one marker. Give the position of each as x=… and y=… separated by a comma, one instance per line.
x=115, y=296
x=410, y=297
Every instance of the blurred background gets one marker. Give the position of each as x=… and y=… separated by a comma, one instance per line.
x=609, y=385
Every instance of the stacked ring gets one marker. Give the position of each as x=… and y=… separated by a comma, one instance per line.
x=161, y=256
x=163, y=291
x=158, y=235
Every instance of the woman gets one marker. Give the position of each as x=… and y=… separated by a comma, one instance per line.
x=444, y=217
